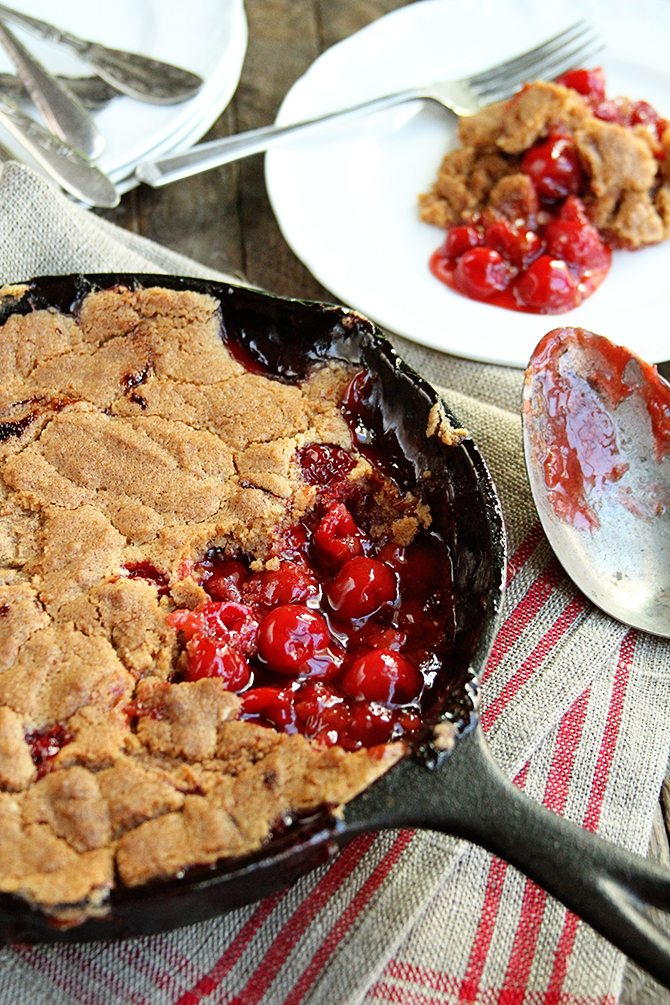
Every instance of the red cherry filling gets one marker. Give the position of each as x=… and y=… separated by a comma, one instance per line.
x=348, y=629
x=361, y=587
x=553, y=167
x=576, y=243
x=209, y=658
x=273, y=705
x=545, y=261
x=518, y=246
x=384, y=676
x=148, y=572
x=45, y=744
x=323, y=463
x=336, y=536
x=371, y=724
x=225, y=579
x=547, y=285
x=481, y=272
x=292, y=583
x=320, y=710
x=290, y=636
x=461, y=239
x=590, y=83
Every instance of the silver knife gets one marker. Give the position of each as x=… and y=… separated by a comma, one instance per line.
x=62, y=112
x=59, y=160
x=138, y=76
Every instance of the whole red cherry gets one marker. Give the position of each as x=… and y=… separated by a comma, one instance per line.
x=384, y=676
x=289, y=636
x=318, y=708
x=518, y=246
x=274, y=704
x=547, y=287
x=224, y=621
x=207, y=658
x=481, y=272
x=573, y=210
x=225, y=580
x=553, y=167
x=576, y=243
x=361, y=587
x=644, y=114
x=291, y=583
x=336, y=536
x=370, y=725
x=590, y=83
x=460, y=239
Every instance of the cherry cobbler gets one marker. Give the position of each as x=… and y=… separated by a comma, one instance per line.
x=542, y=187
x=219, y=606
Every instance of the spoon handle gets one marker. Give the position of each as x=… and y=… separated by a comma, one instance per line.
x=58, y=159
x=91, y=91
x=63, y=113
x=138, y=76
x=44, y=30
x=469, y=797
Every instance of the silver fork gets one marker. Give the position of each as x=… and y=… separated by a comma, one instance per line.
x=466, y=96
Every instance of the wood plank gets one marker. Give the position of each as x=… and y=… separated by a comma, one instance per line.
x=284, y=42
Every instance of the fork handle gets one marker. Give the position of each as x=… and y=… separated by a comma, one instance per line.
x=204, y=156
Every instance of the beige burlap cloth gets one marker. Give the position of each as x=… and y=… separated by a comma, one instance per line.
x=576, y=708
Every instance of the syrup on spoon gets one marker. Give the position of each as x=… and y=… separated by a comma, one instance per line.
x=596, y=426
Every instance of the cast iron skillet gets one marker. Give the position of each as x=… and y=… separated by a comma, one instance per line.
x=458, y=791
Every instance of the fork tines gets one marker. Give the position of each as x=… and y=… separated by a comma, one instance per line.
x=571, y=47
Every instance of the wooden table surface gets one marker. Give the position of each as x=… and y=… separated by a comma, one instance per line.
x=223, y=218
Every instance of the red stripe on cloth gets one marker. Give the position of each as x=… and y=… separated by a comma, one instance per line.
x=495, y=882
x=77, y=978
x=566, y=941
x=345, y=921
x=339, y=869
x=446, y=984
x=398, y=996
x=524, y=551
x=521, y=616
x=550, y=639
x=209, y=981
x=556, y=789
x=263, y=976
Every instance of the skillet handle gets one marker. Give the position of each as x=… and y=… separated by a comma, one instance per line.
x=469, y=797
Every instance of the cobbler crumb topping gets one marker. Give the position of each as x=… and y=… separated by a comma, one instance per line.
x=215, y=610
x=542, y=187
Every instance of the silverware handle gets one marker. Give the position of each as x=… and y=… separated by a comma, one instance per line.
x=232, y=148
x=63, y=163
x=44, y=30
x=63, y=113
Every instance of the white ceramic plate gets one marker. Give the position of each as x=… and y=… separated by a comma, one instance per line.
x=210, y=38
x=346, y=201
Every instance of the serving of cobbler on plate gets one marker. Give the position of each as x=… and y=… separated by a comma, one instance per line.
x=541, y=189
x=219, y=607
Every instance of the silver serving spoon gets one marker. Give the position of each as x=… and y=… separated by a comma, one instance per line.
x=138, y=76
x=596, y=429
x=61, y=110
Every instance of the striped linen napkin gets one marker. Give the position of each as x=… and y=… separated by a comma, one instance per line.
x=576, y=708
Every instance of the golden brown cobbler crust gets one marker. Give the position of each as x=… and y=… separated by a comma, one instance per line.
x=144, y=440
x=628, y=171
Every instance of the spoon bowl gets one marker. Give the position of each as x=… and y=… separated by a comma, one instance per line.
x=596, y=429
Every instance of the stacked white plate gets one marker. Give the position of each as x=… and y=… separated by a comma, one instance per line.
x=208, y=37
